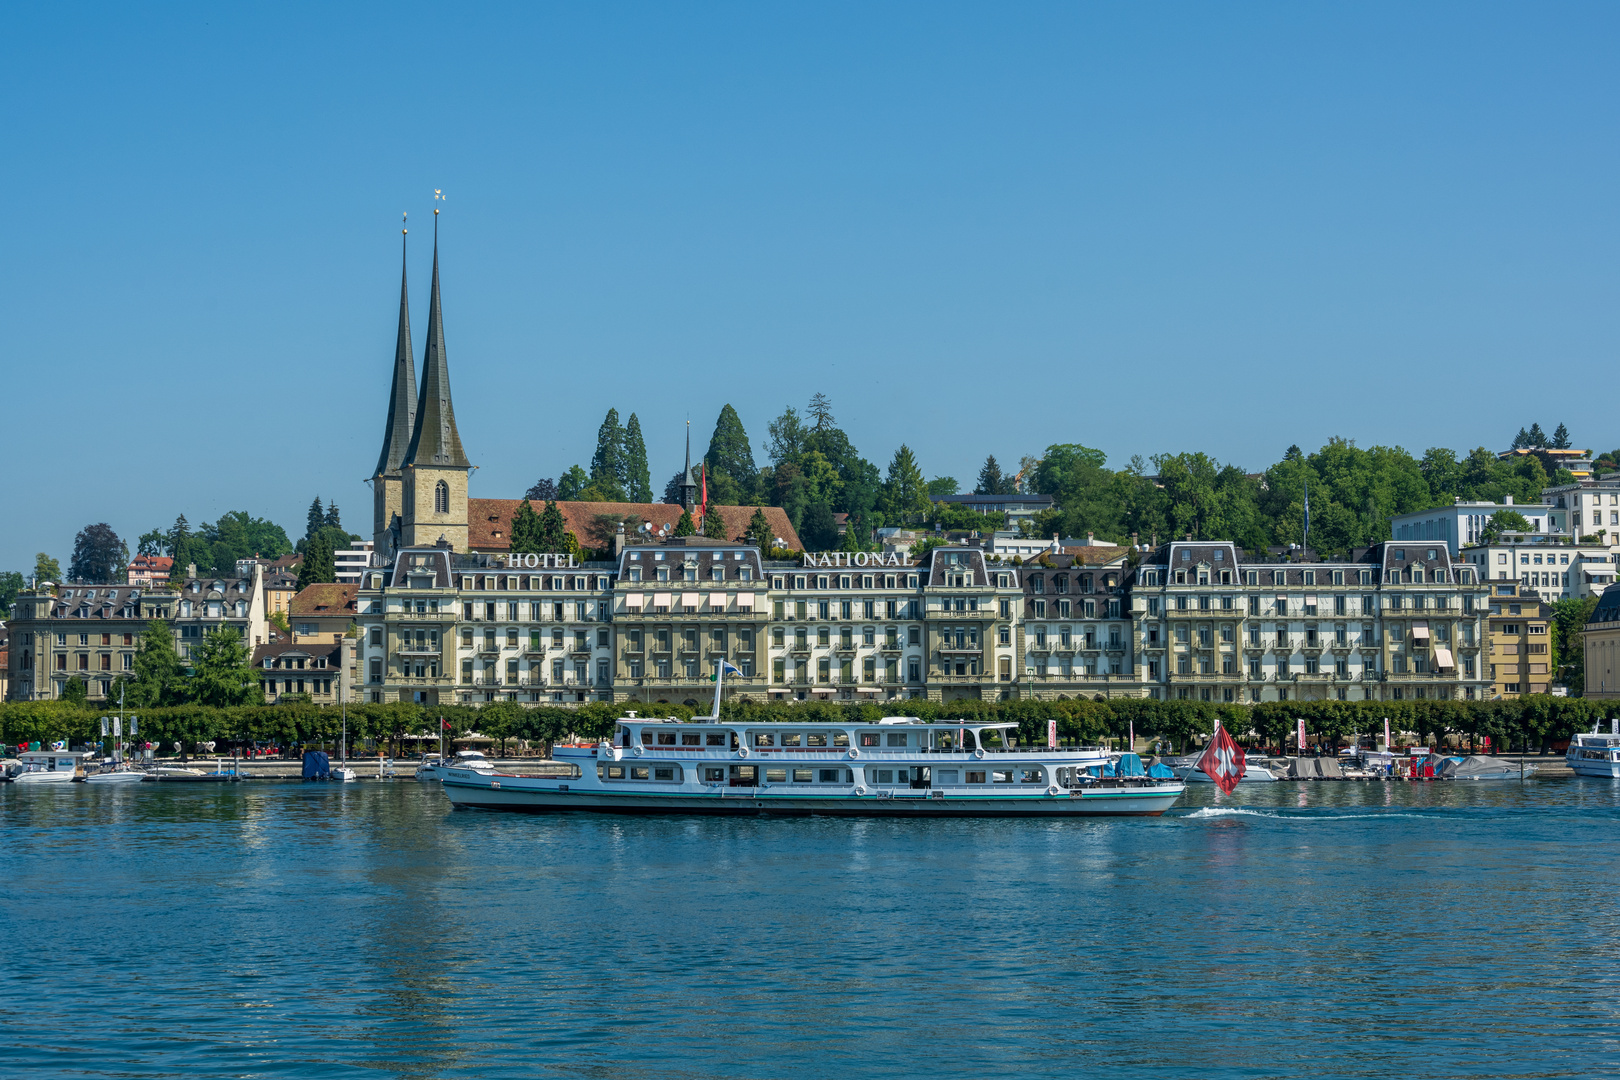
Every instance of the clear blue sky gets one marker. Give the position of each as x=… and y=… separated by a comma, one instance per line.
x=977, y=228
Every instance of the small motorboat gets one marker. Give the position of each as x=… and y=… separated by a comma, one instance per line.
x=115, y=773
x=434, y=767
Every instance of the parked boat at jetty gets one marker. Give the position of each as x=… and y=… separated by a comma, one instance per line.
x=115, y=773
x=1594, y=754
x=434, y=767
x=898, y=766
x=49, y=766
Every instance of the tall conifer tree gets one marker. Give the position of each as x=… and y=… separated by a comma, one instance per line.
x=637, y=479
x=732, y=474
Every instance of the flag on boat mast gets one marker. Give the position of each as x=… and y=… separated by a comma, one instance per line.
x=1222, y=760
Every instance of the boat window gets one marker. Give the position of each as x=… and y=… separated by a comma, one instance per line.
x=869, y=740
x=802, y=776
x=790, y=738
x=946, y=776
x=666, y=773
x=975, y=777
x=689, y=738
x=666, y=738
x=1001, y=776
x=638, y=772
x=776, y=776
x=840, y=738
x=897, y=740
x=836, y=776
x=1030, y=776
x=714, y=738
x=646, y=738
x=614, y=772
x=714, y=774
x=762, y=739
x=743, y=774
x=883, y=776
x=816, y=738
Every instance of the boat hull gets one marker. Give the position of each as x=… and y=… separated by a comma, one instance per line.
x=1604, y=770
x=116, y=778
x=59, y=776
x=521, y=795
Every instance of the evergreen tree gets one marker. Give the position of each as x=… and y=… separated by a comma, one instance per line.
x=179, y=534
x=820, y=410
x=607, y=464
x=760, y=533
x=819, y=532
x=714, y=526
x=1537, y=438
x=553, y=530
x=1560, y=438
x=571, y=483
x=905, y=493
x=526, y=530
x=730, y=459
x=318, y=566
x=684, y=527
x=786, y=437
x=314, y=519
x=333, y=521
x=672, y=490
x=991, y=482
x=222, y=673
x=543, y=490
x=159, y=679
x=637, y=478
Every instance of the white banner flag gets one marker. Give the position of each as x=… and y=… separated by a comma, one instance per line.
x=1301, y=736
x=103, y=727
x=118, y=727
x=1387, y=743
x=1051, y=733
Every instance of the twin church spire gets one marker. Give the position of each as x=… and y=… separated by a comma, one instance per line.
x=420, y=486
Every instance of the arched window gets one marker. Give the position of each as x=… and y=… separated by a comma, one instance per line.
x=441, y=498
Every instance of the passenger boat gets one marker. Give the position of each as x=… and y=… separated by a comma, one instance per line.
x=1594, y=754
x=896, y=767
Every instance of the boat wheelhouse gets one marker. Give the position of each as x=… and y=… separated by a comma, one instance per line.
x=898, y=766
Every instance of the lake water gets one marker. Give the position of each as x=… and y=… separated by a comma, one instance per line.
x=282, y=929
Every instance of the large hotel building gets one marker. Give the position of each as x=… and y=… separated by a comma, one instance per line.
x=449, y=614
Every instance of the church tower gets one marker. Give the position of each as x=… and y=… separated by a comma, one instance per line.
x=435, y=466
x=388, y=483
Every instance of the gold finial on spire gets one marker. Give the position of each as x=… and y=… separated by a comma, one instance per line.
x=438, y=197
x=402, y=229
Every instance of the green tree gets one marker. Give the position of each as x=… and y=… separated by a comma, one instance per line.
x=571, y=483
x=905, y=493
x=554, y=535
x=333, y=519
x=819, y=532
x=820, y=411
x=685, y=527
x=730, y=460
x=46, y=569
x=1503, y=521
x=607, y=464
x=637, y=478
x=786, y=437
x=151, y=543
x=318, y=566
x=1560, y=438
x=1569, y=619
x=941, y=486
x=12, y=583
x=991, y=482
x=159, y=679
x=74, y=692
x=714, y=526
x=1537, y=438
x=99, y=556
x=315, y=519
x=221, y=671
x=760, y=533
x=526, y=532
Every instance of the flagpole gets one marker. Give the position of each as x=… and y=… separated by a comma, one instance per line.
x=719, y=684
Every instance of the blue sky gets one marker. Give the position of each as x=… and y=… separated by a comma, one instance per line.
x=978, y=229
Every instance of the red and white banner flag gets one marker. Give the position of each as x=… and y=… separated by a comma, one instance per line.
x=1051, y=733
x=1302, y=735
x=1223, y=761
x=1387, y=743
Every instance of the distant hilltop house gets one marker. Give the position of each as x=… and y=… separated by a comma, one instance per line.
x=150, y=571
x=1578, y=462
x=1014, y=506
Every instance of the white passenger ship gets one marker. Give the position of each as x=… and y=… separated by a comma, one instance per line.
x=1594, y=754
x=898, y=766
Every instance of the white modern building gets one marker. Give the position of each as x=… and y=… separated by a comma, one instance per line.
x=1556, y=570
x=1463, y=523
x=351, y=561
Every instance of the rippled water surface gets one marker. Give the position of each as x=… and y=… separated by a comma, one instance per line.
x=280, y=929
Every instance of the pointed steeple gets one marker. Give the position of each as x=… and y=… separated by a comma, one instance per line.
x=402, y=396
x=688, y=485
x=435, y=441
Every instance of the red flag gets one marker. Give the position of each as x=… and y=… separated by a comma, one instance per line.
x=445, y=724
x=703, y=507
x=1223, y=761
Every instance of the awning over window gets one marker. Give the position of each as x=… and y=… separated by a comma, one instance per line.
x=690, y=599
x=717, y=601
x=745, y=601
x=661, y=599
x=1282, y=598
x=1443, y=660
x=633, y=601
x=1420, y=631
x=822, y=690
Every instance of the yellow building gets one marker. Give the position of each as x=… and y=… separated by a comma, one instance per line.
x=1518, y=640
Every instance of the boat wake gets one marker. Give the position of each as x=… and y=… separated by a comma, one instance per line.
x=1294, y=815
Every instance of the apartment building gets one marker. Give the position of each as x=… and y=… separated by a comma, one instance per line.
x=320, y=672
x=1553, y=570
x=1519, y=650
x=1075, y=627
x=90, y=632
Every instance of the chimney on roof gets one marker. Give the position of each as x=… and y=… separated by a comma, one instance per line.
x=1510, y=500
x=618, y=541
x=191, y=570
x=1057, y=545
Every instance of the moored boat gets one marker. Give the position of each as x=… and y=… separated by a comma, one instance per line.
x=1594, y=754
x=896, y=767
x=49, y=766
x=435, y=767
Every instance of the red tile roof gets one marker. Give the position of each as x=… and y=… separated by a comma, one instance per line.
x=326, y=599
x=489, y=521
